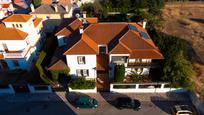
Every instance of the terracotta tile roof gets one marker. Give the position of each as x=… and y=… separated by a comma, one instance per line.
x=5, y=5
x=103, y=33
x=119, y=49
x=18, y=18
x=90, y=42
x=133, y=41
x=37, y=21
x=63, y=32
x=121, y=38
x=146, y=54
x=1, y=56
x=59, y=65
x=75, y=24
x=92, y=20
x=81, y=47
x=11, y=34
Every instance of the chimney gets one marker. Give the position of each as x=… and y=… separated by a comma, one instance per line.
x=32, y=8
x=55, y=7
x=144, y=22
x=81, y=29
x=84, y=14
x=66, y=8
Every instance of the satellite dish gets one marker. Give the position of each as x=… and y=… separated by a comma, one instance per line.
x=77, y=15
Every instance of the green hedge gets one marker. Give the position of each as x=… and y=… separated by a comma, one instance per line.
x=82, y=83
x=119, y=73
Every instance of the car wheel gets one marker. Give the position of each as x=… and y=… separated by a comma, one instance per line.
x=77, y=107
x=93, y=108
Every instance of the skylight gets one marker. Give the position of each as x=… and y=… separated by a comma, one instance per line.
x=131, y=27
x=144, y=35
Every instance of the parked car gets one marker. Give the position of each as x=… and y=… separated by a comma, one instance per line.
x=86, y=102
x=127, y=103
x=183, y=110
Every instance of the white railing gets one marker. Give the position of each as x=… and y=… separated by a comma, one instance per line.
x=19, y=54
x=83, y=90
x=144, y=88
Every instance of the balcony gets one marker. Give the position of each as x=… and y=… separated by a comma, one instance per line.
x=15, y=54
x=139, y=63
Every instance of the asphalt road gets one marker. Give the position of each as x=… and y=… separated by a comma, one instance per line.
x=65, y=108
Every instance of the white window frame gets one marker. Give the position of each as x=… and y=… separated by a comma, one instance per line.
x=81, y=59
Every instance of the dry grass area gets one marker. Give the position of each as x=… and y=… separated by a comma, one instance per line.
x=188, y=23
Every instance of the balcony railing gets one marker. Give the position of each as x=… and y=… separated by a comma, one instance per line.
x=139, y=63
x=16, y=54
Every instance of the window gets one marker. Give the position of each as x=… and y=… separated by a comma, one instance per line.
x=27, y=41
x=5, y=47
x=17, y=25
x=21, y=25
x=81, y=59
x=13, y=25
x=82, y=72
x=102, y=50
x=15, y=63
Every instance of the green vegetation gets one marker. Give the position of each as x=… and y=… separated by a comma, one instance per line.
x=176, y=68
x=82, y=83
x=37, y=3
x=119, y=73
x=40, y=68
x=55, y=74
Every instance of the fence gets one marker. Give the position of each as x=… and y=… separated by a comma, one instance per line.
x=83, y=90
x=144, y=88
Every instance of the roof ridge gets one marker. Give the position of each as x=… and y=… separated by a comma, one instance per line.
x=88, y=38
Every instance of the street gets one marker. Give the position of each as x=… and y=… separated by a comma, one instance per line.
x=56, y=104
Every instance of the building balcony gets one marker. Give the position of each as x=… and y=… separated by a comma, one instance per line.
x=131, y=64
x=15, y=54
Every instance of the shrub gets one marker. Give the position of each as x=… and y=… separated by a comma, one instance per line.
x=119, y=73
x=82, y=83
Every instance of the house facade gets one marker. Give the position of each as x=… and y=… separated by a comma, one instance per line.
x=6, y=8
x=21, y=37
x=95, y=48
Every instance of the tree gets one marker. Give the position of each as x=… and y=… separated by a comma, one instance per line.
x=37, y=2
x=94, y=10
x=119, y=73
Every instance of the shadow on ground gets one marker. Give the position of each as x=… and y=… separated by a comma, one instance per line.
x=111, y=97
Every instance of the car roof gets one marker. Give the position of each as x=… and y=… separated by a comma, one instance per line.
x=84, y=99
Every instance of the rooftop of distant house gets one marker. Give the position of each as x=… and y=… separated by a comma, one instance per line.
x=48, y=7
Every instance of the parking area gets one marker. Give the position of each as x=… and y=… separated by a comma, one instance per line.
x=57, y=104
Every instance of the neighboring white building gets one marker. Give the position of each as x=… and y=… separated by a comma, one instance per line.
x=20, y=39
x=6, y=8
x=93, y=49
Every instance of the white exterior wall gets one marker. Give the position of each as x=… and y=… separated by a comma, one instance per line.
x=90, y=65
x=13, y=45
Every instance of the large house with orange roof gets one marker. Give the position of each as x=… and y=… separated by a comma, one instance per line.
x=94, y=48
x=6, y=7
x=20, y=39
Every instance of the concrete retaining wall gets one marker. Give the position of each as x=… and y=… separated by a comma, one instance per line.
x=8, y=90
x=33, y=89
x=84, y=90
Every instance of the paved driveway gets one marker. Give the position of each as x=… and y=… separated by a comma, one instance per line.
x=57, y=104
